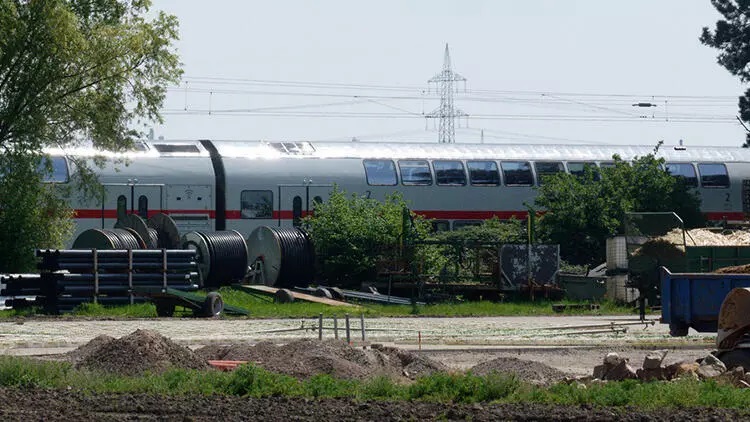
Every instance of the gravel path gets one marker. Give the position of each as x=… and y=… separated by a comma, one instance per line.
x=488, y=331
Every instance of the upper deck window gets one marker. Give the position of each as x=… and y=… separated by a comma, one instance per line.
x=380, y=172
x=547, y=168
x=59, y=173
x=713, y=175
x=517, y=173
x=449, y=173
x=415, y=172
x=172, y=148
x=685, y=171
x=579, y=168
x=483, y=173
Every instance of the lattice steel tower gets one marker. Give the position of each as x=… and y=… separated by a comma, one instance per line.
x=446, y=111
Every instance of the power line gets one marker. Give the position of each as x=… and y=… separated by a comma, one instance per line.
x=413, y=88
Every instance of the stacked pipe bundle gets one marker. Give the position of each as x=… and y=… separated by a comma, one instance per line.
x=70, y=277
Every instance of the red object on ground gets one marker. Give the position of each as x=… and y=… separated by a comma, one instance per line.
x=226, y=365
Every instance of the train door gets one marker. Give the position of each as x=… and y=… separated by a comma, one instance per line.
x=298, y=201
x=130, y=198
x=190, y=207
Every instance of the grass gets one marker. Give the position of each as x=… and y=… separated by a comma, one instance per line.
x=251, y=381
x=264, y=307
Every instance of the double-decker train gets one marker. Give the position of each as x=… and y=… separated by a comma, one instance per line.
x=230, y=185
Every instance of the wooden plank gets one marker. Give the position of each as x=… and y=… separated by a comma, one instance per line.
x=297, y=295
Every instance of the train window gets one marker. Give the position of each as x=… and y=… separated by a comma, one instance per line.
x=517, y=173
x=579, y=168
x=256, y=204
x=380, y=172
x=415, y=172
x=547, y=168
x=607, y=164
x=460, y=224
x=449, y=173
x=483, y=173
x=143, y=206
x=713, y=175
x=684, y=170
x=441, y=226
x=57, y=172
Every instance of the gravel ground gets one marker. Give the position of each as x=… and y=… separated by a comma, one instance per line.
x=459, y=343
x=536, y=331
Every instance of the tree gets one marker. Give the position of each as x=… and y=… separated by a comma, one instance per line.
x=583, y=211
x=353, y=234
x=72, y=71
x=732, y=37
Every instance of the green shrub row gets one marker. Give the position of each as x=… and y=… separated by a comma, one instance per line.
x=252, y=381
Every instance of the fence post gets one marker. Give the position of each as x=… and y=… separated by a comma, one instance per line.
x=335, y=327
x=348, y=334
x=362, y=325
x=320, y=327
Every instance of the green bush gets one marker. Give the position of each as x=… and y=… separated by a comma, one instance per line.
x=354, y=234
x=583, y=211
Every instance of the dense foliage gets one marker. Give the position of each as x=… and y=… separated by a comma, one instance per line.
x=468, y=251
x=582, y=211
x=353, y=235
x=35, y=216
x=731, y=37
x=71, y=72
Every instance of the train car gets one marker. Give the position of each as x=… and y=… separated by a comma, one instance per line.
x=218, y=185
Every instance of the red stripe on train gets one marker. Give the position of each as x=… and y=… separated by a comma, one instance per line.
x=98, y=213
x=437, y=215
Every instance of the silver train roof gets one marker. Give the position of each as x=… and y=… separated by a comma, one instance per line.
x=400, y=150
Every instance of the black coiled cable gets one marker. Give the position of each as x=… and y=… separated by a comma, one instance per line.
x=227, y=257
x=297, y=257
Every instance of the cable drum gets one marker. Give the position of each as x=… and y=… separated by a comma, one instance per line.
x=286, y=253
x=153, y=239
x=108, y=239
x=221, y=256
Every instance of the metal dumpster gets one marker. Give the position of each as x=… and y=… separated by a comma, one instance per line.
x=710, y=258
x=693, y=300
x=580, y=287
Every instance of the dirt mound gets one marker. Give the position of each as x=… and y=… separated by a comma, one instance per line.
x=138, y=352
x=89, y=348
x=305, y=358
x=526, y=370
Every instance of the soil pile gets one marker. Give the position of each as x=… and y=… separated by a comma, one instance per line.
x=705, y=237
x=739, y=269
x=138, y=352
x=306, y=358
x=89, y=348
x=526, y=370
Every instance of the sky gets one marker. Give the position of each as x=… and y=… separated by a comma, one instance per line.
x=537, y=71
